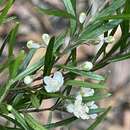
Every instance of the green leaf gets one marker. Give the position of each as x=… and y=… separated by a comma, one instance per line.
x=49, y=57
x=96, y=97
x=60, y=123
x=103, y=47
x=35, y=101
x=4, y=89
x=74, y=70
x=6, y=64
x=11, y=120
x=119, y=16
x=116, y=4
x=98, y=110
x=3, y=44
x=56, y=12
x=3, y=15
x=70, y=9
x=28, y=71
x=12, y=39
x=33, y=123
x=16, y=63
x=27, y=60
x=88, y=34
x=1, y=1
x=8, y=128
x=125, y=26
x=99, y=119
x=79, y=83
x=58, y=42
x=18, y=117
x=119, y=58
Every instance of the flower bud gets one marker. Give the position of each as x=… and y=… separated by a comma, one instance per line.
x=9, y=107
x=28, y=80
x=87, y=66
x=46, y=38
x=11, y=116
x=31, y=44
x=82, y=17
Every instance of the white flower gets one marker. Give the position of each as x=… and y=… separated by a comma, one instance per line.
x=32, y=44
x=46, y=38
x=86, y=66
x=54, y=84
x=92, y=105
x=109, y=39
x=82, y=17
x=86, y=92
x=79, y=109
x=28, y=80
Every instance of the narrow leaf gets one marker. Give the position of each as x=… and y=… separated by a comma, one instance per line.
x=99, y=119
x=70, y=9
x=3, y=15
x=49, y=57
x=79, y=83
x=33, y=123
x=61, y=123
x=56, y=12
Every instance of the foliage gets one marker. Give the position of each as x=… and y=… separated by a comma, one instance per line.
x=26, y=98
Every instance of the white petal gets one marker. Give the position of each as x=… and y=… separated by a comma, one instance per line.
x=87, y=92
x=79, y=97
x=77, y=113
x=86, y=108
x=93, y=116
x=85, y=116
x=58, y=76
x=90, y=103
x=47, y=80
x=93, y=106
x=70, y=108
x=49, y=89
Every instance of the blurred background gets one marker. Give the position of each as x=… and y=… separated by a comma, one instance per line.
x=33, y=25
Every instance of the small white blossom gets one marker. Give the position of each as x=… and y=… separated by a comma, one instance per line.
x=82, y=17
x=32, y=44
x=86, y=92
x=53, y=84
x=28, y=80
x=86, y=66
x=109, y=39
x=46, y=38
x=79, y=109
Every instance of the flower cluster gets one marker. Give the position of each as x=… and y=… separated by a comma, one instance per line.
x=80, y=109
x=54, y=83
